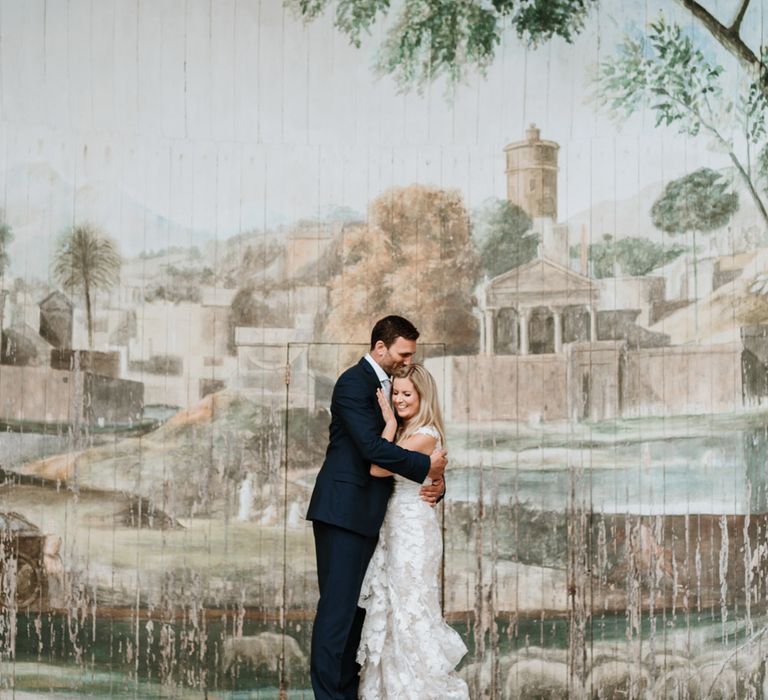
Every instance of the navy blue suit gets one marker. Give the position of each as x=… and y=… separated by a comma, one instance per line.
x=347, y=508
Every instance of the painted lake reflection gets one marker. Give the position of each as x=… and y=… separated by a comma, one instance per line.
x=707, y=465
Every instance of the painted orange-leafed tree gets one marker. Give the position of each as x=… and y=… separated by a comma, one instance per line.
x=413, y=257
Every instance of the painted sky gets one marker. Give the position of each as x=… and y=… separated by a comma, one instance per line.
x=176, y=122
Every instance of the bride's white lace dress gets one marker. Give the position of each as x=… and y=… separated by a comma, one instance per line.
x=407, y=651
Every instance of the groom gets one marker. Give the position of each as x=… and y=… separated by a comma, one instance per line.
x=348, y=505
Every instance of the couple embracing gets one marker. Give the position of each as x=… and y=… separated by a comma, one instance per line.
x=379, y=632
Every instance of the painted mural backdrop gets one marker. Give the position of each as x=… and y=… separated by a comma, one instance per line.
x=205, y=206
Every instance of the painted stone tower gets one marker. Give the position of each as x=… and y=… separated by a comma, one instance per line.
x=532, y=175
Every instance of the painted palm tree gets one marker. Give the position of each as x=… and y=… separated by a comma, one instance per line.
x=86, y=261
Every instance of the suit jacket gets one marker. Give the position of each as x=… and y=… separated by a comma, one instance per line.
x=345, y=493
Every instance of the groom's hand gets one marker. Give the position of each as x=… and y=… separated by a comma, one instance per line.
x=437, y=461
x=432, y=493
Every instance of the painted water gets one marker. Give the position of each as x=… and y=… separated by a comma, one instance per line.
x=114, y=667
x=698, y=464
x=154, y=613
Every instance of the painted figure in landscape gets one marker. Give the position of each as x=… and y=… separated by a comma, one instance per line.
x=203, y=207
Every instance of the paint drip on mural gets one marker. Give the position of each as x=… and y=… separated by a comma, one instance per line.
x=204, y=211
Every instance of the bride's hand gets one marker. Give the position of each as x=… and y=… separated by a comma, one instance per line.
x=386, y=408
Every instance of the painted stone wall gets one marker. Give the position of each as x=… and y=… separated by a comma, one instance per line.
x=204, y=207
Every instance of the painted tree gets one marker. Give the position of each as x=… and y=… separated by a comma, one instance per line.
x=728, y=35
x=639, y=256
x=430, y=38
x=502, y=232
x=86, y=261
x=634, y=256
x=602, y=255
x=754, y=108
x=669, y=75
x=413, y=257
x=248, y=308
x=6, y=236
x=699, y=202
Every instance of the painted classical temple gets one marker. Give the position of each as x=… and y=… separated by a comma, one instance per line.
x=535, y=308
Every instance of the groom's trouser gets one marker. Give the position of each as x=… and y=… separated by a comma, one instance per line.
x=342, y=559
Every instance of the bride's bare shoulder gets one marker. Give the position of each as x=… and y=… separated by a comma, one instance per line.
x=420, y=442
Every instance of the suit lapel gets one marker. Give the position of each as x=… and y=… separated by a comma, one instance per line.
x=370, y=375
x=373, y=382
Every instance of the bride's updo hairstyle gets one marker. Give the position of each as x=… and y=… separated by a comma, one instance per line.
x=429, y=407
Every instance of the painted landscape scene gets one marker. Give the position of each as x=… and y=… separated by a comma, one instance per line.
x=204, y=207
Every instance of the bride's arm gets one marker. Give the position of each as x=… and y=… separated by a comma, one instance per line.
x=390, y=429
x=416, y=443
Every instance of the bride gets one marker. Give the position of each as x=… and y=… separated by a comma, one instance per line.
x=406, y=648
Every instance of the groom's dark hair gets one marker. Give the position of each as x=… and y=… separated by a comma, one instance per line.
x=390, y=328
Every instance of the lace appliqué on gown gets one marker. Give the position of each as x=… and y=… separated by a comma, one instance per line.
x=407, y=650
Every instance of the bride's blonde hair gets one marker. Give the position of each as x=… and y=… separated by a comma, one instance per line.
x=429, y=412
